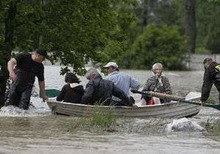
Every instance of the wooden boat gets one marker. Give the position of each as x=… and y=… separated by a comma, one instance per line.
x=175, y=109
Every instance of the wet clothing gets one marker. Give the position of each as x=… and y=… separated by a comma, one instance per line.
x=71, y=94
x=26, y=70
x=161, y=85
x=26, y=63
x=100, y=91
x=211, y=75
x=124, y=82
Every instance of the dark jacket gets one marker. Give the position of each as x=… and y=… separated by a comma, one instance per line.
x=211, y=75
x=73, y=95
x=153, y=84
x=100, y=91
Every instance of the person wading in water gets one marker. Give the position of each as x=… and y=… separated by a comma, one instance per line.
x=22, y=71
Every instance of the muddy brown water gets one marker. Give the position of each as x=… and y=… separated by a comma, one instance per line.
x=38, y=131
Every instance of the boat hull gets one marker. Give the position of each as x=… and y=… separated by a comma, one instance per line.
x=168, y=110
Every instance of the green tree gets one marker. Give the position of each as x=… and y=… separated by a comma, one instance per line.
x=74, y=32
x=159, y=44
x=208, y=25
x=158, y=12
x=190, y=23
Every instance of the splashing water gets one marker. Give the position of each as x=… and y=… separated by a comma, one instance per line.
x=37, y=108
x=184, y=124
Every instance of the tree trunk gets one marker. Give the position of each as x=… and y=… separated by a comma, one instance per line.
x=190, y=23
x=145, y=16
x=8, y=46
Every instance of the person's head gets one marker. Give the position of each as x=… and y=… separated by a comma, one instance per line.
x=92, y=73
x=157, y=69
x=71, y=78
x=111, y=67
x=39, y=55
x=207, y=62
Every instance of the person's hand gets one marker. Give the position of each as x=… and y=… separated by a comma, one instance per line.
x=44, y=98
x=43, y=95
x=12, y=76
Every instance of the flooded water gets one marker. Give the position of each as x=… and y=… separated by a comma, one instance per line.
x=38, y=131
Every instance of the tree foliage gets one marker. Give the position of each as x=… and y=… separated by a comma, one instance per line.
x=74, y=32
x=159, y=44
x=208, y=25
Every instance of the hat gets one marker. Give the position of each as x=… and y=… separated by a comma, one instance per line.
x=42, y=52
x=113, y=64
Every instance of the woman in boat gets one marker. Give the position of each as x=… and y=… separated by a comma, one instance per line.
x=157, y=83
x=72, y=91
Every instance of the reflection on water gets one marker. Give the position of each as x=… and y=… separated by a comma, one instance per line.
x=37, y=131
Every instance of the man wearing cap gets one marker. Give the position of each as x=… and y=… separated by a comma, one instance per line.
x=121, y=80
x=22, y=71
x=211, y=75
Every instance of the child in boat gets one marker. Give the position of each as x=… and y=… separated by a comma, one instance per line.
x=72, y=91
x=157, y=83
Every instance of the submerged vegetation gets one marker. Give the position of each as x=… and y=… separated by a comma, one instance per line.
x=99, y=121
x=103, y=119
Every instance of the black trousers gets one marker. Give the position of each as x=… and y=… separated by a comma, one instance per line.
x=18, y=97
x=20, y=90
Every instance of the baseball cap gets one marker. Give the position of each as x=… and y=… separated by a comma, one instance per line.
x=42, y=52
x=113, y=64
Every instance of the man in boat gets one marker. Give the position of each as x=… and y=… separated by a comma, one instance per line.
x=22, y=71
x=211, y=75
x=121, y=80
x=157, y=83
x=100, y=91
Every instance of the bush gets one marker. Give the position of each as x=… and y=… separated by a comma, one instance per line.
x=213, y=40
x=159, y=44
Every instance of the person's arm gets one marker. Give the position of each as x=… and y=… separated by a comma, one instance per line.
x=42, y=90
x=206, y=86
x=167, y=86
x=134, y=84
x=147, y=85
x=60, y=97
x=120, y=94
x=86, y=99
x=11, y=64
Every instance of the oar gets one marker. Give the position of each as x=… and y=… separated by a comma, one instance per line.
x=176, y=98
x=159, y=95
x=205, y=104
x=52, y=92
x=193, y=95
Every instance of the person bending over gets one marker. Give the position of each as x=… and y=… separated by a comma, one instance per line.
x=100, y=91
x=121, y=80
x=211, y=76
x=22, y=70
